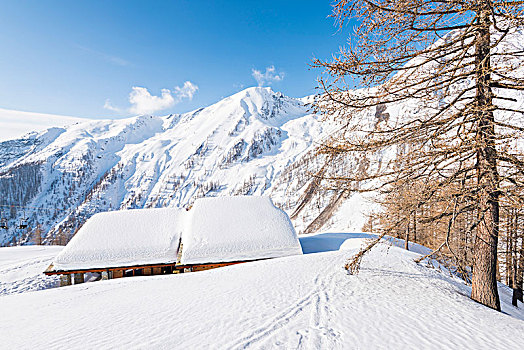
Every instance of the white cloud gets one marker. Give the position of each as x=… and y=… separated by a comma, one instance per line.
x=268, y=77
x=186, y=91
x=142, y=102
x=108, y=105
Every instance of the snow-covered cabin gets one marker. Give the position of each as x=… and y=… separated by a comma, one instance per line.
x=120, y=243
x=216, y=232
x=227, y=230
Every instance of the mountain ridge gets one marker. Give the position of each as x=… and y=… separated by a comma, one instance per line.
x=242, y=144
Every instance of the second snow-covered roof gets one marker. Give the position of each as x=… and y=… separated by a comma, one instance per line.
x=239, y=228
x=124, y=238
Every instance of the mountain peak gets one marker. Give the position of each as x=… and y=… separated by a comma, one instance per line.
x=256, y=92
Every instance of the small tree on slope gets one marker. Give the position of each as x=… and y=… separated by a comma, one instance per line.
x=447, y=73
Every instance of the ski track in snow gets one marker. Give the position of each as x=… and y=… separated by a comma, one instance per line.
x=274, y=324
x=312, y=310
x=323, y=336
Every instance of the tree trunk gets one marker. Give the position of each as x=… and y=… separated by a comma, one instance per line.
x=519, y=266
x=515, y=296
x=509, y=250
x=484, y=282
x=414, y=227
x=406, y=238
x=465, y=241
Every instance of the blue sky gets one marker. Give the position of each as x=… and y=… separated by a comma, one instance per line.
x=83, y=58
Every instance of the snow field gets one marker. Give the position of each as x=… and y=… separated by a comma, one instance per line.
x=21, y=268
x=304, y=302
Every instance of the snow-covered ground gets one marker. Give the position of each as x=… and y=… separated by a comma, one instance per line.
x=21, y=268
x=305, y=302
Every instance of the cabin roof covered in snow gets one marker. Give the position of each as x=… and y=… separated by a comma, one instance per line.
x=124, y=238
x=239, y=228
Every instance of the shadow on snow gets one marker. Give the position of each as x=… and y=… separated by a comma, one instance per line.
x=328, y=242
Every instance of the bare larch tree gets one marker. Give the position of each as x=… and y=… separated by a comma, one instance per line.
x=439, y=88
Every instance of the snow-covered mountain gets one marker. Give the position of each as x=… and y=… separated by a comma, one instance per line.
x=255, y=142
